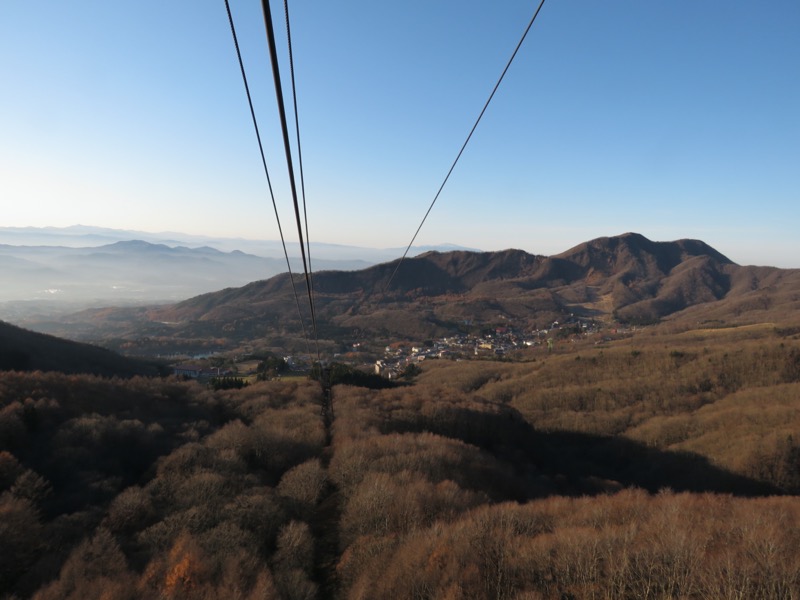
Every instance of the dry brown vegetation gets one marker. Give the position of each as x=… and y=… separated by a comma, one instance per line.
x=151, y=489
x=728, y=396
x=714, y=414
x=629, y=545
x=663, y=466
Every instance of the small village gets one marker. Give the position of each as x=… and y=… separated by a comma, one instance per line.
x=505, y=342
x=494, y=344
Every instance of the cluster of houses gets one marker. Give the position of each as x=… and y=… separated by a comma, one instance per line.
x=496, y=343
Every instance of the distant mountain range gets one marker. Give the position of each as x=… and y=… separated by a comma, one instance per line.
x=96, y=266
x=131, y=271
x=83, y=236
x=628, y=278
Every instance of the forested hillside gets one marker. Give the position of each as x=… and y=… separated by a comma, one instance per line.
x=23, y=350
x=662, y=466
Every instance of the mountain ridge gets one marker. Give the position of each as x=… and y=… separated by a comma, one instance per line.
x=626, y=278
x=130, y=271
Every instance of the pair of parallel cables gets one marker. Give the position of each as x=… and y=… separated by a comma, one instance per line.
x=289, y=161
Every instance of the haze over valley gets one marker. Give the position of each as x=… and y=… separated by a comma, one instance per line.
x=51, y=270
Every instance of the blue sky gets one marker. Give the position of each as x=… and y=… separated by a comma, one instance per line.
x=672, y=119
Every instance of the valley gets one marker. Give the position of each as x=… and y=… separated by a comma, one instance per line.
x=620, y=421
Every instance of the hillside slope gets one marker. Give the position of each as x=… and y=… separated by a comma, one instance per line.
x=664, y=466
x=23, y=350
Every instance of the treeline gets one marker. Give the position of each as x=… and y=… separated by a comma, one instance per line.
x=341, y=374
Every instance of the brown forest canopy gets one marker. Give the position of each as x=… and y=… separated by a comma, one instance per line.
x=662, y=466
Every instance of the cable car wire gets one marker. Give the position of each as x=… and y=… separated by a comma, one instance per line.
x=464, y=145
x=266, y=170
x=276, y=76
x=299, y=147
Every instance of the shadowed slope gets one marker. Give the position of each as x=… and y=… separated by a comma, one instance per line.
x=23, y=350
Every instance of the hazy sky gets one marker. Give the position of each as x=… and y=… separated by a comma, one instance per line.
x=673, y=119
